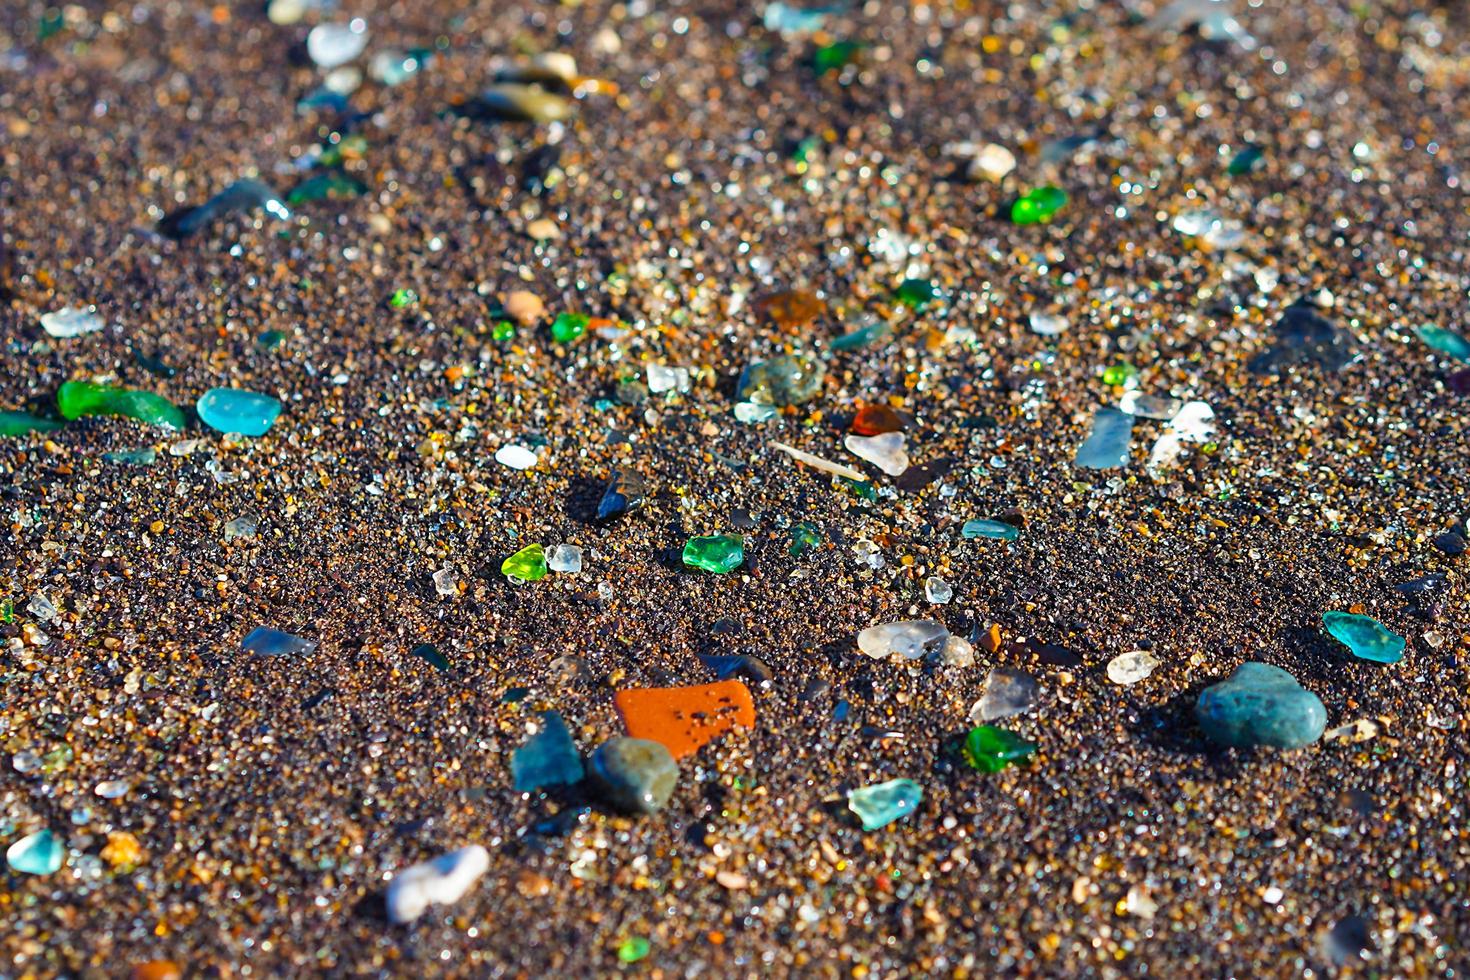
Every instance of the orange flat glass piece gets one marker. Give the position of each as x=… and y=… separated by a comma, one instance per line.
x=685, y=719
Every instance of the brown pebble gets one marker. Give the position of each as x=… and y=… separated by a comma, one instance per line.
x=525, y=307
x=532, y=885
x=158, y=970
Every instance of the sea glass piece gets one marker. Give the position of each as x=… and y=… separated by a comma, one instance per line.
x=269, y=642
x=684, y=719
x=76, y=399
x=992, y=749
x=882, y=803
x=718, y=553
x=233, y=410
x=1107, y=446
x=1365, y=636
x=548, y=758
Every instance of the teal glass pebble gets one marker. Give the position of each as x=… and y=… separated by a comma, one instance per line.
x=1365, y=636
x=40, y=853
x=882, y=803
x=997, y=530
x=1260, y=705
x=549, y=758
x=1444, y=341
x=232, y=410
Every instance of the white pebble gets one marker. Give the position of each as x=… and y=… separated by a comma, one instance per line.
x=516, y=457
x=442, y=881
x=1131, y=667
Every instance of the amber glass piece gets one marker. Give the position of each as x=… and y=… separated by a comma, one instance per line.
x=685, y=719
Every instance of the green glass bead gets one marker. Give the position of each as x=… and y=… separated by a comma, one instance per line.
x=1365, y=636
x=78, y=398
x=834, y=57
x=1038, y=206
x=1245, y=161
x=567, y=327
x=1118, y=374
x=503, y=331
x=916, y=293
x=329, y=186
x=718, y=553
x=528, y=564
x=402, y=298
x=19, y=423
x=992, y=749
x=634, y=949
x=804, y=537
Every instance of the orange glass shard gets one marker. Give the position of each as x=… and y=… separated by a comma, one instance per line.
x=790, y=309
x=685, y=719
x=874, y=420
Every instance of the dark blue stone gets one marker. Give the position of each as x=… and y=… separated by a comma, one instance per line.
x=1260, y=705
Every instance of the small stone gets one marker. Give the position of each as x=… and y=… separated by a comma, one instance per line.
x=1038, y=206
x=788, y=379
x=1442, y=340
x=1138, y=902
x=232, y=410
x=330, y=45
x=1193, y=424
x=1117, y=375
x=992, y=163
x=267, y=642
x=516, y=457
x=719, y=553
x=636, y=775
x=330, y=186
x=996, y=530
x=529, y=884
x=732, y=880
x=885, y=451
x=112, y=789
x=626, y=491
x=1260, y=705
x=1007, y=692
x=882, y=803
x=528, y=103
x=122, y=852
x=1047, y=324
x=870, y=333
x=991, y=749
x=1360, y=730
x=912, y=639
x=749, y=413
x=41, y=853
x=158, y=970
x=916, y=294
x=284, y=13
x=548, y=758
x=1131, y=667
x=72, y=322
x=524, y=307
x=430, y=655
x=1365, y=636
x=442, y=881
x=938, y=591
x=76, y=399
x=568, y=327
x=526, y=565
x=42, y=607
x=565, y=558
x=685, y=719
x=1107, y=446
